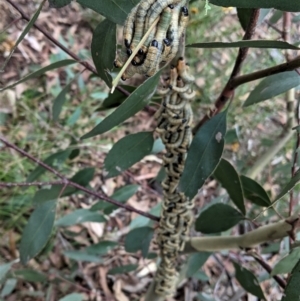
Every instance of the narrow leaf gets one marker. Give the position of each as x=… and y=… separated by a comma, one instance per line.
x=40, y=72
x=254, y=192
x=287, y=263
x=248, y=281
x=195, y=262
x=139, y=239
x=291, y=292
x=80, y=216
x=278, y=4
x=230, y=180
x=30, y=275
x=217, y=218
x=123, y=269
x=72, y=297
x=246, y=43
x=101, y=248
x=4, y=269
x=104, y=49
x=128, y=151
x=134, y=103
x=60, y=100
x=273, y=85
x=82, y=256
x=58, y=3
x=293, y=182
x=204, y=154
x=37, y=231
x=23, y=34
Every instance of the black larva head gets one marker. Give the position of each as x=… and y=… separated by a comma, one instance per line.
x=141, y=52
x=167, y=42
x=185, y=10
x=154, y=43
x=127, y=44
x=115, y=64
x=181, y=58
x=134, y=63
x=171, y=6
x=128, y=51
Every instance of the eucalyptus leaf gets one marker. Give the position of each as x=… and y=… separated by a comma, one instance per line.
x=82, y=256
x=273, y=85
x=204, y=155
x=230, y=180
x=80, y=216
x=4, y=269
x=291, y=292
x=128, y=151
x=133, y=104
x=40, y=72
x=218, y=218
x=104, y=49
x=287, y=263
x=195, y=262
x=246, y=43
x=101, y=248
x=123, y=269
x=254, y=192
x=248, y=281
x=139, y=239
x=72, y=297
x=292, y=6
x=29, y=275
x=37, y=231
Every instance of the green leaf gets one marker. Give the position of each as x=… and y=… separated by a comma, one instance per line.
x=134, y=103
x=104, y=49
x=291, y=292
x=123, y=269
x=72, y=297
x=139, y=239
x=101, y=248
x=128, y=151
x=195, y=262
x=82, y=256
x=158, y=146
x=287, y=263
x=4, y=269
x=244, y=15
x=248, y=281
x=205, y=297
x=23, y=34
x=80, y=216
x=83, y=177
x=278, y=4
x=230, y=180
x=58, y=3
x=30, y=275
x=8, y=287
x=115, y=99
x=60, y=100
x=56, y=158
x=121, y=195
x=254, y=192
x=246, y=43
x=294, y=181
x=217, y=218
x=204, y=155
x=273, y=85
x=40, y=72
x=37, y=231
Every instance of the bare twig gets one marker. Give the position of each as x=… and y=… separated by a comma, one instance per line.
x=25, y=184
x=73, y=184
x=279, y=280
x=228, y=90
x=61, y=46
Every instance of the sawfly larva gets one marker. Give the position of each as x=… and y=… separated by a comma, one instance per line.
x=129, y=27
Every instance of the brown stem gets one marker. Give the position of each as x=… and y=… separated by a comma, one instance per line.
x=279, y=280
x=61, y=46
x=73, y=184
x=228, y=90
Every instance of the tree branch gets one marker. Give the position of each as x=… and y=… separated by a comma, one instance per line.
x=61, y=46
x=28, y=184
x=228, y=90
x=73, y=184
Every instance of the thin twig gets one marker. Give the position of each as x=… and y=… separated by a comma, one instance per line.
x=228, y=90
x=73, y=184
x=28, y=184
x=279, y=280
x=61, y=46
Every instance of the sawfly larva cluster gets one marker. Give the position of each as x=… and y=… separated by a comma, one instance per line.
x=161, y=46
x=174, y=120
